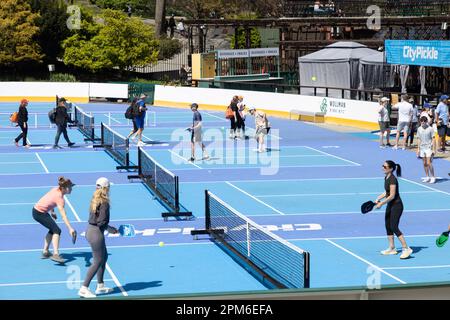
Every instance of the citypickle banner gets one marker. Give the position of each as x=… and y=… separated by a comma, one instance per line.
x=418, y=52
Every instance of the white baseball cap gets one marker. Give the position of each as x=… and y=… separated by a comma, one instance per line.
x=384, y=99
x=102, y=182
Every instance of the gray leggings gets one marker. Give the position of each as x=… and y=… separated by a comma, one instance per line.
x=96, y=239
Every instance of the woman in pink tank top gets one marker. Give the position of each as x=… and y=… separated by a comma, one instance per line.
x=46, y=207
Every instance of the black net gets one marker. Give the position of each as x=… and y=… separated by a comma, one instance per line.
x=163, y=182
x=84, y=122
x=275, y=257
x=116, y=145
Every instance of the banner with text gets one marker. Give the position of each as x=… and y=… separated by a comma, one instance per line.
x=418, y=52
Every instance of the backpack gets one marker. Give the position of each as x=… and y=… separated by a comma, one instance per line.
x=52, y=115
x=229, y=114
x=14, y=117
x=129, y=112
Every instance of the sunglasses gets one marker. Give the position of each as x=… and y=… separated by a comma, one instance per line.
x=385, y=166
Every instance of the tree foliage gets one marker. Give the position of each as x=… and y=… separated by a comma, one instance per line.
x=120, y=42
x=52, y=26
x=17, y=32
x=255, y=39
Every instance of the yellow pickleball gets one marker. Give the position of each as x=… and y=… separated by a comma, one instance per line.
x=313, y=78
x=161, y=244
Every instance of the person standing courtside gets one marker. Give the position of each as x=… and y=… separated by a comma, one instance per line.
x=22, y=122
x=405, y=112
x=426, y=148
x=383, y=121
x=414, y=123
x=98, y=223
x=441, y=115
x=61, y=120
x=262, y=127
x=196, y=131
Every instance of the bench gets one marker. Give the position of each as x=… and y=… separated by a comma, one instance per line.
x=318, y=117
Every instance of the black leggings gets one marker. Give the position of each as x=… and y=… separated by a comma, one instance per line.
x=23, y=134
x=47, y=221
x=393, y=214
x=412, y=131
x=96, y=239
x=236, y=124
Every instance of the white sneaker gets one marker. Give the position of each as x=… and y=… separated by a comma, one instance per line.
x=395, y=147
x=101, y=289
x=433, y=180
x=84, y=292
x=427, y=179
x=406, y=252
x=205, y=157
x=389, y=251
x=140, y=144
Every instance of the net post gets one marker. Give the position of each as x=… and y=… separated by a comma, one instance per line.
x=127, y=156
x=306, y=268
x=207, y=211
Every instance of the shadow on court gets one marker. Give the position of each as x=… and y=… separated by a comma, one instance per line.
x=137, y=286
x=70, y=257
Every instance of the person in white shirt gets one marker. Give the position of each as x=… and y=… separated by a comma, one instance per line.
x=426, y=113
x=405, y=112
x=383, y=121
x=426, y=148
x=262, y=127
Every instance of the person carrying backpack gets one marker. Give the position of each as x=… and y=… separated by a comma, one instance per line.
x=61, y=120
x=22, y=122
x=139, y=117
x=129, y=114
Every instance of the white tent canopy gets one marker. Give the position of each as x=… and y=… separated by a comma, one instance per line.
x=374, y=73
x=337, y=65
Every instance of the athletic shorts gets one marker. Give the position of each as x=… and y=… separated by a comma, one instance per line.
x=47, y=221
x=139, y=122
x=442, y=131
x=262, y=131
x=384, y=125
x=196, y=136
x=402, y=126
x=425, y=153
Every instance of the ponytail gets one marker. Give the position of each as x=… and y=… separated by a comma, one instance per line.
x=395, y=167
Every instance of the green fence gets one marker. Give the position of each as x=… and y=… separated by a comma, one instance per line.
x=135, y=89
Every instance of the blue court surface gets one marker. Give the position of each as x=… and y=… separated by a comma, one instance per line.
x=307, y=189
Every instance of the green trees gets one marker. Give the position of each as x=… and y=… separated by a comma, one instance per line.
x=18, y=29
x=52, y=26
x=119, y=43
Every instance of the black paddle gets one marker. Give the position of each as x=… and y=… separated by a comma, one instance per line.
x=367, y=207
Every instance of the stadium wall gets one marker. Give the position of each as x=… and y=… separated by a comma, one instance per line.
x=361, y=114
x=74, y=91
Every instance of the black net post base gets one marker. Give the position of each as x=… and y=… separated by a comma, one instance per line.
x=187, y=215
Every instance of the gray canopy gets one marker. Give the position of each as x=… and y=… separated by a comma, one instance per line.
x=374, y=73
x=337, y=65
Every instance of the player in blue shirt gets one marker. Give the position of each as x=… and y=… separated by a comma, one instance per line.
x=196, y=131
x=139, y=117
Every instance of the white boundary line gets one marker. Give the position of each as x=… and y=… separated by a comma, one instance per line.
x=42, y=162
x=425, y=186
x=186, y=160
x=331, y=155
x=418, y=267
x=256, y=199
x=43, y=283
x=111, y=118
x=72, y=208
x=332, y=194
x=365, y=261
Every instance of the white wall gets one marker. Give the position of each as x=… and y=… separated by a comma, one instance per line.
x=337, y=108
x=74, y=90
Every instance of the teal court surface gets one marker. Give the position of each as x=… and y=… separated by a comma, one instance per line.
x=307, y=189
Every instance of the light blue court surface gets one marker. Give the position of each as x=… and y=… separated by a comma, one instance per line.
x=307, y=189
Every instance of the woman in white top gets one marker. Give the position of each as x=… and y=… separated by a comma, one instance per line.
x=383, y=121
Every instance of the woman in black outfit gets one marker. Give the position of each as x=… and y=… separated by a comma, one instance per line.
x=394, y=209
x=23, y=123
x=236, y=121
x=98, y=224
x=62, y=118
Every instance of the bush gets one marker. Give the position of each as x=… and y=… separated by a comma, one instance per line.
x=139, y=7
x=168, y=48
x=62, y=77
